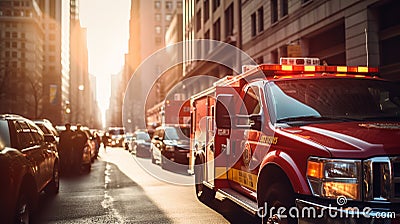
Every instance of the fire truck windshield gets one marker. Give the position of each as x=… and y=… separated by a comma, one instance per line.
x=327, y=99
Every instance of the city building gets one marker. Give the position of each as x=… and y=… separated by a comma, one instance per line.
x=81, y=97
x=21, y=58
x=210, y=20
x=56, y=55
x=354, y=32
x=149, y=21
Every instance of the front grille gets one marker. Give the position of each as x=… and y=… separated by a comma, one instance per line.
x=382, y=179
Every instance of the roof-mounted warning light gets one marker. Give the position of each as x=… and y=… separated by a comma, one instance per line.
x=299, y=61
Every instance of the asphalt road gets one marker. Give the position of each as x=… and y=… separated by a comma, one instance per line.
x=119, y=190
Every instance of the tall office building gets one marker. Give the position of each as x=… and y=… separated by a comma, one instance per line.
x=21, y=58
x=149, y=22
x=210, y=20
x=56, y=69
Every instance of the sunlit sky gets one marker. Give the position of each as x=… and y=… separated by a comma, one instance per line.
x=107, y=24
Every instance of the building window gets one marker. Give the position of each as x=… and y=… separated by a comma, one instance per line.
x=158, y=29
x=261, y=19
x=52, y=47
x=179, y=4
x=158, y=40
x=207, y=44
x=206, y=10
x=52, y=37
x=168, y=5
x=22, y=55
x=274, y=56
x=253, y=24
x=217, y=30
x=14, y=54
x=168, y=17
x=8, y=44
x=274, y=11
x=52, y=58
x=7, y=54
x=157, y=5
x=8, y=34
x=158, y=17
x=284, y=7
x=198, y=20
x=229, y=19
x=14, y=34
x=22, y=35
x=14, y=44
x=216, y=4
x=23, y=45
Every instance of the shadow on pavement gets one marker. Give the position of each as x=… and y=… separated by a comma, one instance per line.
x=105, y=195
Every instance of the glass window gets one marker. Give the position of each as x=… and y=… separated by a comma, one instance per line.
x=168, y=17
x=328, y=99
x=217, y=30
x=229, y=20
x=5, y=140
x=253, y=25
x=216, y=4
x=251, y=103
x=206, y=10
x=198, y=20
x=168, y=5
x=260, y=19
x=158, y=17
x=158, y=29
x=284, y=7
x=274, y=11
x=24, y=137
x=157, y=4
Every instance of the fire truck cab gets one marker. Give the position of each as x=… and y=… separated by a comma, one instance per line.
x=294, y=141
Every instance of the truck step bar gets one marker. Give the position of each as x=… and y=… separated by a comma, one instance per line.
x=246, y=203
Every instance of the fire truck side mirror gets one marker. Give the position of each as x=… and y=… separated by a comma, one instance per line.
x=223, y=109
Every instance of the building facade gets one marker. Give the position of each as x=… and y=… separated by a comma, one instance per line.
x=21, y=58
x=149, y=21
x=56, y=69
x=353, y=32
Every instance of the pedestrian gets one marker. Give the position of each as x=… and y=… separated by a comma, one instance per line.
x=66, y=148
x=80, y=140
x=104, y=139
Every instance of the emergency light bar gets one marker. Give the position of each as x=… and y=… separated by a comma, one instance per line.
x=299, y=61
x=319, y=68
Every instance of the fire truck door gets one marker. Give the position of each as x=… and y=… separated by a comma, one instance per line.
x=244, y=140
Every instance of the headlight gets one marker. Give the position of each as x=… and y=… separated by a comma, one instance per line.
x=331, y=178
x=170, y=148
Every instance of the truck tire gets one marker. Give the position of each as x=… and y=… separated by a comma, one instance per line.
x=54, y=186
x=278, y=195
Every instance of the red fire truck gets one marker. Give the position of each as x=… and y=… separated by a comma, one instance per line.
x=298, y=141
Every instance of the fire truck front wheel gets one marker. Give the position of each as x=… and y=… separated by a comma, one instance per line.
x=278, y=195
x=203, y=193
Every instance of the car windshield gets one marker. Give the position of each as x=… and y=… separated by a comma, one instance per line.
x=328, y=99
x=142, y=136
x=116, y=131
x=173, y=133
x=4, y=135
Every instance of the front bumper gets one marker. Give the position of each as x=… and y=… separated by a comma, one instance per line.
x=354, y=212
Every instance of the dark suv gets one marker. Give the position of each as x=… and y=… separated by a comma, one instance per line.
x=28, y=166
x=170, y=144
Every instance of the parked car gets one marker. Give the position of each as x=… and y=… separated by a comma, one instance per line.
x=140, y=143
x=28, y=166
x=47, y=127
x=170, y=144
